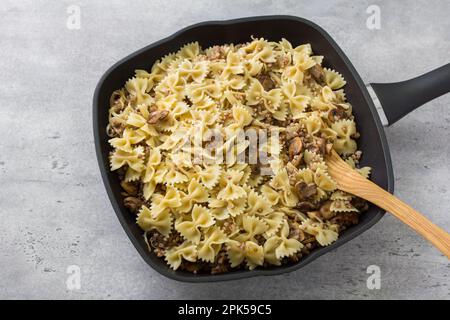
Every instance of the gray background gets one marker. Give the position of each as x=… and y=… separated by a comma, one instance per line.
x=54, y=209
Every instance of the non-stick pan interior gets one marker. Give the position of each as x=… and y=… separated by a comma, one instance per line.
x=297, y=31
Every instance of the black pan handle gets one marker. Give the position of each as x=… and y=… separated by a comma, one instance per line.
x=400, y=98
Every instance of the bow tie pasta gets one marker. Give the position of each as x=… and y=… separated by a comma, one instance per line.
x=208, y=200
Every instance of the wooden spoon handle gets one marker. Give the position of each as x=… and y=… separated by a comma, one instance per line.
x=352, y=182
x=427, y=229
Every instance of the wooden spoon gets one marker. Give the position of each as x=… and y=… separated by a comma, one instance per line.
x=349, y=180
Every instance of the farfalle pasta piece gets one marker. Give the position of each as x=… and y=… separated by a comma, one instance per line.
x=365, y=171
x=344, y=129
x=255, y=180
x=118, y=118
x=237, y=252
x=209, y=175
x=269, y=249
x=297, y=103
x=341, y=195
x=174, y=175
x=281, y=182
x=133, y=159
x=233, y=83
x=139, y=122
x=311, y=157
x=256, y=94
x=125, y=143
x=247, y=170
x=287, y=247
x=181, y=159
x=175, y=255
x=171, y=199
x=193, y=71
x=163, y=65
x=313, y=124
x=252, y=68
x=252, y=226
x=162, y=222
x=138, y=87
x=189, y=51
x=301, y=63
x=289, y=198
x=334, y=79
x=305, y=175
x=196, y=194
x=282, y=112
x=132, y=175
x=223, y=209
x=231, y=190
x=342, y=206
x=324, y=181
x=274, y=221
x=324, y=234
x=153, y=161
x=327, y=94
x=284, y=45
x=241, y=116
x=210, y=246
x=200, y=218
x=259, y=49
x=233, y=65
x=279, y=247
x=270, y=194
x=203, y=120
x=199, y=91
x=174, y=140
x=173, y=84
x=304, y=49
x=257, y=204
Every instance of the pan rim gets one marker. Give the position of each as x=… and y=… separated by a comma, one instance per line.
x=187, y=277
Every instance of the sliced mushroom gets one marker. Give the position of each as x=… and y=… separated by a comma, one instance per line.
x=297, y=160
x=345, y=219
x=337, y=113
x=266, y=81
x=295, y=147
x=129, y=187
x=133, y=204
x=157, y=115
x=325, y=210
x=306, y=206
x=305, y=191
x=318, y=74
x=295, y=232
x=360, y=204
x=283, y=61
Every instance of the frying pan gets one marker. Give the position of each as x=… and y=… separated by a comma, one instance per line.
x=373, y=106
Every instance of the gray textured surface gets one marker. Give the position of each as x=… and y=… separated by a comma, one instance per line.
x=54, y=209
